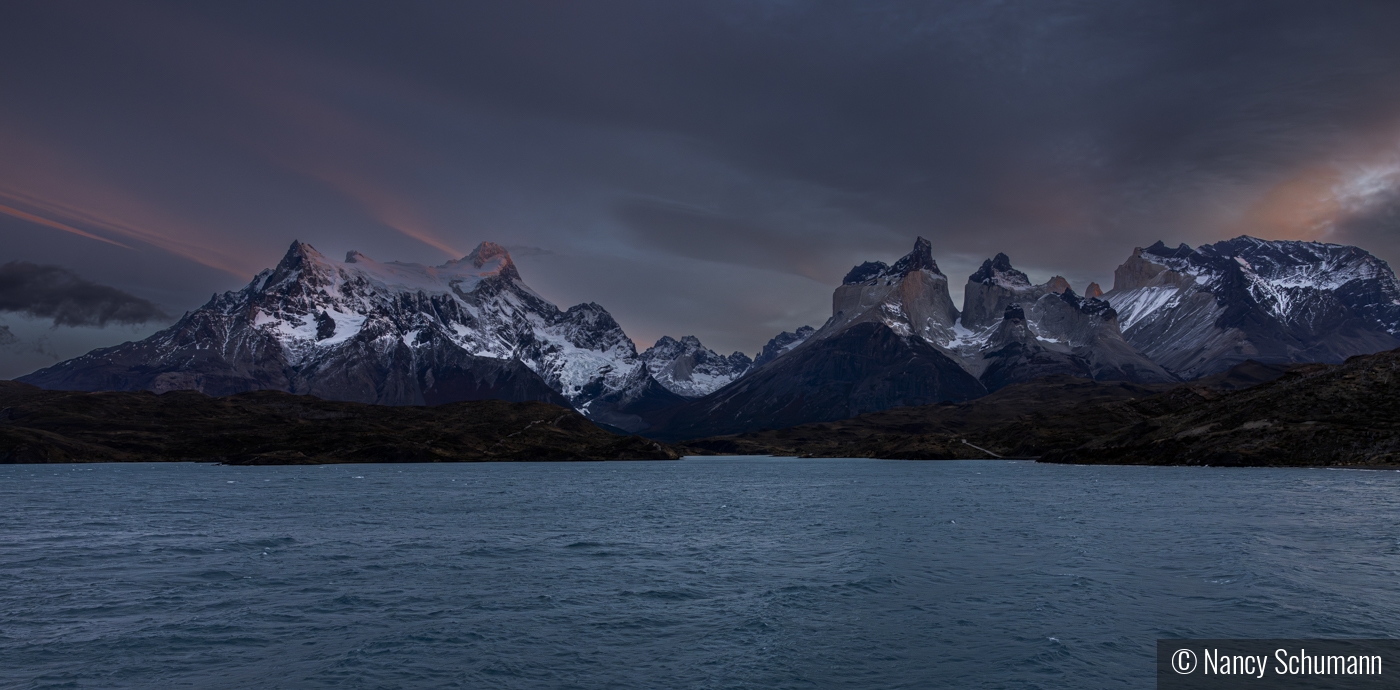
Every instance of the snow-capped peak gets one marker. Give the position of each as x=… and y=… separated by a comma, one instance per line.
x=488, y=260
x=1199, y=310
x=403, y=333
x=689, y=369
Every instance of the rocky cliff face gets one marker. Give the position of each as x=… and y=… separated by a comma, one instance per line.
x=386, y=333
x=895, y=339
x=876, y=351
x=1173, y=314
x=911, y=297
x=1012, y=330
x=1200, y=311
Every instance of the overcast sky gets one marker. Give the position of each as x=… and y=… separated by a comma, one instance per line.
x=706, y=168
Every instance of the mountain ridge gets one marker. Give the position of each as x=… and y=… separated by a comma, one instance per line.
x=470, y=329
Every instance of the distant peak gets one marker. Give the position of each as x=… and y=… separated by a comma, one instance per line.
x=1058, y=285
x=1093, y=291
x=489, y=252
x=1161, y=249
x=996, y=267
x=299, y=253
x=301, y=262
x=919, y=258
x=354, y=257
x=299, y=248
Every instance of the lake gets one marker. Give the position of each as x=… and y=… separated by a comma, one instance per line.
x=732, y=572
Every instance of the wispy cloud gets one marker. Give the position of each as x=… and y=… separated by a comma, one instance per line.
x=39, y=220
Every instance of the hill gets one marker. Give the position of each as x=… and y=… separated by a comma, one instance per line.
x=272, y=427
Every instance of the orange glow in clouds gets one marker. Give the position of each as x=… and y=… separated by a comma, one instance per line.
x=1303, y=207
x=1316, y=201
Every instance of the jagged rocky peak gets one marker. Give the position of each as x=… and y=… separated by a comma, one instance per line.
x=918, y=259
x=781, y=344
x=1093, y=291
x=1065, y=317
x=870, y=270
x=1063, y=333
x=1154, y=266
x=393, y=333
x=490, y=257
x=998, y=270
x=994, y=287
x=911, y=297
x=302, y=263
x=1058, y=285
x=689, y=369
x=305, y=266
x=1160, y=249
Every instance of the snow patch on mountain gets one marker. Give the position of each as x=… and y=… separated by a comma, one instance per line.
x=782, y=344
x=689, y=369
x=391, y=333
x=1198, y=311
x=1136, y=305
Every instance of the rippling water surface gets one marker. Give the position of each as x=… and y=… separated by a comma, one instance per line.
x=704, y=573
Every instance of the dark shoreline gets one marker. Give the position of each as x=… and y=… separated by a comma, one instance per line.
x=275, y=428
x=1314, y=415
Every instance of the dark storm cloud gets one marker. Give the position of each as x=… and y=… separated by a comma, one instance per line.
x=792, y=138
x=944, y=108
x=53, y=292
x=987, y=126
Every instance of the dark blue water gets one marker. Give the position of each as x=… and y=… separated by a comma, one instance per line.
x=704, y=573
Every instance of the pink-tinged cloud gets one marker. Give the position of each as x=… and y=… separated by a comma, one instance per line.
x=44, y=179
x=167, y=239
x=1313, y=202
x=40, y=220
x=388, y=209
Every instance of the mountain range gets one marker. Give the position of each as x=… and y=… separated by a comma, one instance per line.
x=407, y=334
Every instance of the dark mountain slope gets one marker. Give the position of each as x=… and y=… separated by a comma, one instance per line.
x=863, y=368
x=1346, y=414
x=1303, y=415
x=1020, y=420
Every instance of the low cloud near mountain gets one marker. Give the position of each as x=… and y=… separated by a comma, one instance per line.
x=54, y=292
